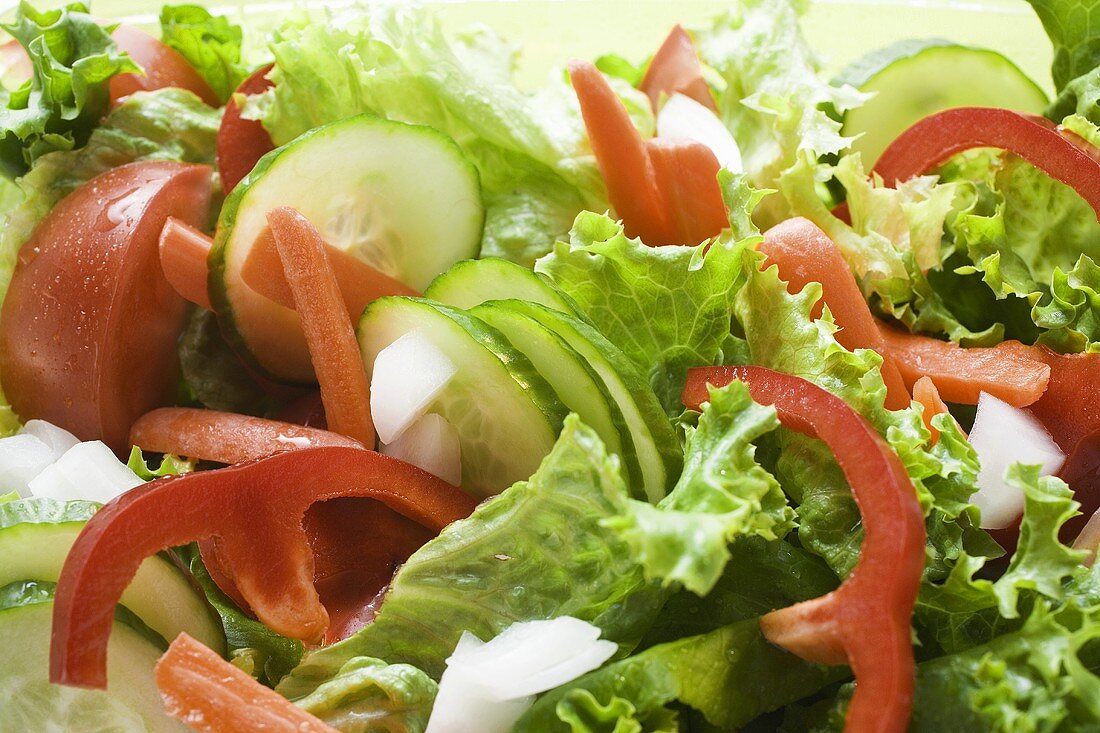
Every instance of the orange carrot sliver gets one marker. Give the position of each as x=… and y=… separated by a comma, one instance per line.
x=183, y=254
x=211, y=695
x=687, y=176
x=328, y=329
x=675, y=68
x=925, y=392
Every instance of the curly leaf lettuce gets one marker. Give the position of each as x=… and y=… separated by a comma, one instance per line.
x=369, y=696
x=209, y=43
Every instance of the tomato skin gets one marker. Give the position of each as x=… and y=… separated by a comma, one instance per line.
x=89, y=327
x=675, y=68
x=241, y=143
x=164, y=67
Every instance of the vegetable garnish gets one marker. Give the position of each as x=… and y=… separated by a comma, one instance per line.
x=328, y=329
x=211, y=695
x=925, y=392
x=254, y=510
x=866, y=622
x=183, y=252
x=1069, y=409
x=675, y=68
x=686, y=172
x=225, y=437
x=162, y=67
x=241, y=143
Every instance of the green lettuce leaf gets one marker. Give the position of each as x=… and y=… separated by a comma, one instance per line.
x=1074, y=30
x=583, y=713
x=73, y=59
x=212, y=374
x=369, y=696
x=210, y=43
x=169, y=465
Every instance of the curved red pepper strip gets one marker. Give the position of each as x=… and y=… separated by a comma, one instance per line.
x=866, y=621
x=255, y=512
x=675, y=68
x=1069, y=408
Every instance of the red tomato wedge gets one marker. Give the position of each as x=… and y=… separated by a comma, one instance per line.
x=329, y=332
x=675, y=68
x=241, y=143
x=90, y=324
x=1069, y=408
x=183, y=254
x=866, y=621
x=254, y=511
x=225, y=437
x=687, y=176
x=1009, y=371
x=925, y=392
x=211, y=695
x=163, y=66
x=804, y=254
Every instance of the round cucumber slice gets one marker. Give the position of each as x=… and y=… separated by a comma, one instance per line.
x=914, y=78
x=506, y=415
x=403, y=198
x=471, y=282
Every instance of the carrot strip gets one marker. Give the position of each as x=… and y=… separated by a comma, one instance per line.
x=675, y=68
x=211, y=695
x=360, y=284
x=225, y=437
x=925, y=392
x=1009, y=371
x=804, y=254
x=328, y=329
x=183, y=253
x=687, y=176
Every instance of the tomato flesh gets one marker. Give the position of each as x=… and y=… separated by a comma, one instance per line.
x=164, y=67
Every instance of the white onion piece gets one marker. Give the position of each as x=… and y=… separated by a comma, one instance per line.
x=430, y=443
x=1003, y=435
x=22, y=457
x=461, y=705
x=683, y=117
x=408, y=374
x=1089, y=539
x=58, y=439
x=87, y=471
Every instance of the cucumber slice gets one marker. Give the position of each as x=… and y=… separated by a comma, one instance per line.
x=130, y=703
x=576, y=383
x=506, y=415
x=35, y=537
x=471, y=282
x=403, y=198
x=914, y=78
x=652, y=442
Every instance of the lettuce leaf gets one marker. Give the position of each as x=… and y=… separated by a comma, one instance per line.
x=211, y=372
x=1073, y=27
x=369, y=696
x=210, y=43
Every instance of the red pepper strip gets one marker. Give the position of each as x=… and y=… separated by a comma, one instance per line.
x=1009, y=371
x=805, y=254
x=254, y=510
x=329, y=333
x=687, y=176
x=241, y=143
x=675, y=68
x=183, y=254
x=1069, y=408
x=925, y=392
x=225, y=437
x=866, y=621
x=621, y=156
x=932, y=141
x=213, y=696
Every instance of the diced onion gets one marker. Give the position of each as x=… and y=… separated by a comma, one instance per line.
x=1004, y=435
x=22, y=457
x=58, y=439
x=683, y=117
x=408, y=374
x=430, y=443
x=87, y=471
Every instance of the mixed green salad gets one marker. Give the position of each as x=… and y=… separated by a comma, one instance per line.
x=348, y=385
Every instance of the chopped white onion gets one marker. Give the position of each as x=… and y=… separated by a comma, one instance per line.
x=408, y=374
x=58, y=439
x=1004, y=435
x=430, y=443
x=488, y=686
x=683, y=117
x=22, y=457
x=87, y=471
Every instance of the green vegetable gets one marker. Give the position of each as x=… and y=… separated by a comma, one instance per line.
x=1074, y=30
x=210, y=43
x=212, y=373
x=169, y=466
x=369, y=696
x=471, y=282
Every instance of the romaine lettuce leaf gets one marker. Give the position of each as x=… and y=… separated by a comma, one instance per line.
x=210, y=43
x=369, y=696
x=211, y=372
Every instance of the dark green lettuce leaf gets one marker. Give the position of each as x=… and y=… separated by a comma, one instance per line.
x=212, y=373
x=210, y=43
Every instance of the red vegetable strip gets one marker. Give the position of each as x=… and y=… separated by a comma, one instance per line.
x=1089, y=539
x=183, y=254
x=211, y=695
x=329, y=333
x=163, y=67
x=241, y=143
x=925, y=392
x=254, y=510
x=804, y=254
x=225, y=437
x=932, y=141
x=675, y=68
x=866, y=621
x=1009, y=371
x=1069, y=408
x=687, y=176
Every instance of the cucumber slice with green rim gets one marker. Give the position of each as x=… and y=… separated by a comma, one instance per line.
x=576, y=383
x=472, y=282
x=506, y=414
x=35, y=537
x=914, y=78
x=131, y=702
x=403, y=198
x=652, y=441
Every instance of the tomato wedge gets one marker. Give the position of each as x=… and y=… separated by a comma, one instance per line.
x=211, y=695
x=687, y=176
x=804, y=254
x=866, y=621
x=90, y=324
x=241, y=143
x=675, y=68
x=254, y=511
x=163, y=66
